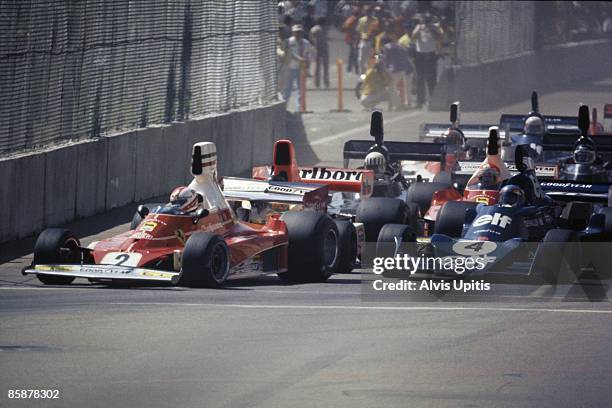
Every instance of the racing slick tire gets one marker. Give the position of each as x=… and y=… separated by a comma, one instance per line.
x=56, y=246
x=451, y=217
x=348, y=246
x=386, y=245
x=314, y=246
x=137, y=219
x=206, y=261
x=558, y=245
x=374, y=212
x=421, y=193
x=607, y=212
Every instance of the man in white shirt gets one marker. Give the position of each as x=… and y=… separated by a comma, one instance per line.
x=299, y=50
x=426, y=35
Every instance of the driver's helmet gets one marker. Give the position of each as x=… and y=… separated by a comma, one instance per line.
x=584, y=154
x=488, y=179
x=185, y=198
x=534, y=125
x=375, y=161
x=453, y=140
x=511, y=196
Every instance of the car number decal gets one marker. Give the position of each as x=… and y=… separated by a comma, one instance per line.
x=474, y=248
x=121, y=258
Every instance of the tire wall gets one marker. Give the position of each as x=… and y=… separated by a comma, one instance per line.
x=49, y=188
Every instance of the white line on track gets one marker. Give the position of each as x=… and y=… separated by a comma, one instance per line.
x=378, y=308
x=361, y=129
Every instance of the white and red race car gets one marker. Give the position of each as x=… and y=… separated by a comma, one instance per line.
x=204, y=247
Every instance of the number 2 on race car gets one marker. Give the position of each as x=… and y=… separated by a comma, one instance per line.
x=121, y=259
x=474, y=248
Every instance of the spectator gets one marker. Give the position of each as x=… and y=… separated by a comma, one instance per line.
x=285, y=27
x=407, y=45
x=283, y=60
x=377, y=87
x=320, y=41
x=398, y=65
x=309, y=20
x=351, y=38
x=299, y=50
x=426, y=36
x=365, y=43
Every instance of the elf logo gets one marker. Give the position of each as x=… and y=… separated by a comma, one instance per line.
x=496, y=219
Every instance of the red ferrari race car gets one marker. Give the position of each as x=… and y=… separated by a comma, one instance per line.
x=196, y=240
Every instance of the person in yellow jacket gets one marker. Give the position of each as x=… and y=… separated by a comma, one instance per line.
x=377, y=87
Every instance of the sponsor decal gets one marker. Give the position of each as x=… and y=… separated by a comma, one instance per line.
x=322, y=173
x=148, y=226
x=496, y=219
x=566, y=185
x=116, y=271
x=155, y=274
x=286, y=190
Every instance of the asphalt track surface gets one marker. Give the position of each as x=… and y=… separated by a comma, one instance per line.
x=261, y=343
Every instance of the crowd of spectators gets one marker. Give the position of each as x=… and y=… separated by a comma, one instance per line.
x=393, y=46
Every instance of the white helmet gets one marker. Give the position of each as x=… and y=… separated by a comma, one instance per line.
x=185, y=198
x=534, y=125
x=375, y=161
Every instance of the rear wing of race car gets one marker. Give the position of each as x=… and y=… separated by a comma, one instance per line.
x=311, y=196
x=562, y=190
x=543, y=171
x=398, y=151
x=567, y=142
x=433, y=131
x=554, y=124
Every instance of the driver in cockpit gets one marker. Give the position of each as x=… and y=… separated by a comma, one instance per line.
x=489, y=179
x=183, y=200
x=376, y=162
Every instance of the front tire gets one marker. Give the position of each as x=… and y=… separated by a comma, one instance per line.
x=392, y=237
x=558, y=245
x=314, y=246
x=375, y=212
x=206, y=261
x=56, y=246
x=451, y=217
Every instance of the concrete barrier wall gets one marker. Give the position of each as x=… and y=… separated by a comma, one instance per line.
x=50, y=188
x=497, y=83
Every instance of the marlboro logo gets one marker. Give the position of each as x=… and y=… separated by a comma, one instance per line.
x=322, y=173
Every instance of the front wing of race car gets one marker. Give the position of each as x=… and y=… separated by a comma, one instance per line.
x=103, y=272
x=486, y=256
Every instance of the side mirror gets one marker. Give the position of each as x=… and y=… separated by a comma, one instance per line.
x=199, y=214
x=142, y=211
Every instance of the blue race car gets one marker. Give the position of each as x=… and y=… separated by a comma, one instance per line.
x=526, y=231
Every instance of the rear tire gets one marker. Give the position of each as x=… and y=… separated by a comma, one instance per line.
x=348, y=246
x=375, y=212
x=451, y=217
x=206, y=261
x=56, y=246
x=314, y=246
x=421, y=194
x=558, y=244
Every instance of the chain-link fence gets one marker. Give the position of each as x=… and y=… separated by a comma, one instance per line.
x=489, y=30
x=77, y=69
